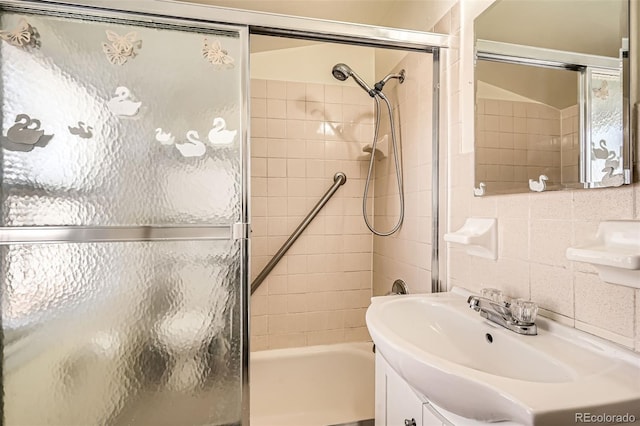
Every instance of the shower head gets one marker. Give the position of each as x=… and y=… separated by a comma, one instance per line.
x=344, y=71
x=341, y=71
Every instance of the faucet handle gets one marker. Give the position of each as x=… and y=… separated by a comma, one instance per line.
x=474, y=302
x=524, y=311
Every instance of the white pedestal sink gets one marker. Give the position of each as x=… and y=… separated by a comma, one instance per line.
x=478, y=370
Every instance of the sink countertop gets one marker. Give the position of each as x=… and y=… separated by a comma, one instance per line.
x=440, y=347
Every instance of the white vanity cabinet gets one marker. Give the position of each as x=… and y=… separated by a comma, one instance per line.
x=396, y=403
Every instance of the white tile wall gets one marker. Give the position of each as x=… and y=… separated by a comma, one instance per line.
x=570, y=144
x=302, y=134
x=517, y=141
x=407, y=253
x=535, y=229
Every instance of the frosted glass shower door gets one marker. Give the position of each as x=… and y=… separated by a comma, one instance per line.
x=123, y=219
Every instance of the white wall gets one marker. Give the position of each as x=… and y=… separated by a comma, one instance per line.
x=313, y=64
x=489, y=91
x=534, y=230
x=407, y=253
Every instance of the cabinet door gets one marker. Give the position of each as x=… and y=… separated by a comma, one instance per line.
x=403, y=406
x=381, y=391
x=396, y=403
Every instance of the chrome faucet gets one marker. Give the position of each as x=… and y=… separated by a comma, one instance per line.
x=517, y=316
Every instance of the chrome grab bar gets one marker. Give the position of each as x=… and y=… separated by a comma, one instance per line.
x=339, y=179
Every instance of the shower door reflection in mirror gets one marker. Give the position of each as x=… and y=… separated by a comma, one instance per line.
x=122, y=164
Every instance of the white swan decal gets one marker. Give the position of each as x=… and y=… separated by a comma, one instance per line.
x=165, y=138
x=25, y=134
x=82, y=130
x=219, y=135
x=122, y=104
x=194, y=147
x=609, y=179
x=540, y=185
x=479, y=191
x=25, y=131
x=603, y=152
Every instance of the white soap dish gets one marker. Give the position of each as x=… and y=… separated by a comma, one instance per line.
x=615, y=252
x=382, y=149
x=479, y=234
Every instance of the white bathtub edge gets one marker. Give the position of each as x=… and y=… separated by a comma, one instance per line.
x=366, y=347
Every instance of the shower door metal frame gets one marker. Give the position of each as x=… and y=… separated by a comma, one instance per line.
x=270, y=24
x=262, y=23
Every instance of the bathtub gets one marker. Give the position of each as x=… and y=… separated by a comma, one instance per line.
x=312, y=386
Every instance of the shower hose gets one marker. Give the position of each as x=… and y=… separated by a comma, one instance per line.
x=370, y=171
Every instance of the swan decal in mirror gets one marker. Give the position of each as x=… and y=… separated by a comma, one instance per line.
x=611, y=164
x=609, y=179
x=479, y=191
x=538, y=185
x=121, y=48
x=81, y=130
x=24, y=35
x=25, y=134
x=216, y=55
x=122, y=103
x=603, y=152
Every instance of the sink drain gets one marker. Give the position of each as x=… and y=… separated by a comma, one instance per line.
x=489, y=337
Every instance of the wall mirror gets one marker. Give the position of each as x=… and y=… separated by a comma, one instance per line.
x=552, y=96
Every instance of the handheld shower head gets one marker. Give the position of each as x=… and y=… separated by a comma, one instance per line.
x=343, y=71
